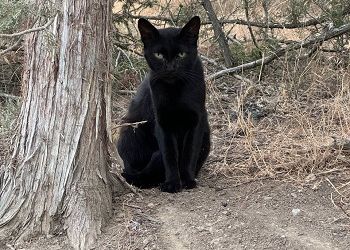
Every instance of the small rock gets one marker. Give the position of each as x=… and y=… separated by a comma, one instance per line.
x=226, y=212
x=295, y=211
x=293, y=195
x=150, y=205
x=310, y=177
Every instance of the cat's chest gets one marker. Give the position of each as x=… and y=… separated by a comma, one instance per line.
x=169, y=93
x=175, y=106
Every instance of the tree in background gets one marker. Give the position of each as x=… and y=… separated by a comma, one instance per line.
x=57, y=179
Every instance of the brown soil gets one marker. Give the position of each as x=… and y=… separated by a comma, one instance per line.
x=221, y=215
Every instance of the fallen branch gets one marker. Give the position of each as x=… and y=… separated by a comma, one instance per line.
x=293, y=46
x=213, y=62
x=11, y=47
x=28, y=30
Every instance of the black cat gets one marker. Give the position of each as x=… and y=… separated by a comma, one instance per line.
x=171, y=147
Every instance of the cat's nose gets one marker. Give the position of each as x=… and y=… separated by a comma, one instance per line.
x=171, y=66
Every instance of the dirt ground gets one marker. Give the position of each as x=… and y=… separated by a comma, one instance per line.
x=264, y=214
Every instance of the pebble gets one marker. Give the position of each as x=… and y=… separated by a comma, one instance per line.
x=295, y=211
x=226, y=212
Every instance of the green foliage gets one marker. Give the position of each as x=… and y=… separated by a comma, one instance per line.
x=184, y=12
x=238, y=53
x=244, y=54
x=12, y=13
x=297, y=9
x=334, y=9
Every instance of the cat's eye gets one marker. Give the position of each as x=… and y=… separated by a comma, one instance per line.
x=182, y=54
x=159, y=56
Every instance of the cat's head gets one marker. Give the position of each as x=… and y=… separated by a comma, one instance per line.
x=170, y=49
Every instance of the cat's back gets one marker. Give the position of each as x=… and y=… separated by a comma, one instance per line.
x=141, y=104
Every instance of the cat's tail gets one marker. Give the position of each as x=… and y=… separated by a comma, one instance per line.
x=151, y=176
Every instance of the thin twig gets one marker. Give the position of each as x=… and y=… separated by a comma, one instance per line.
x=10, y=96
x=294, y=46
x=15, y=45
x=126, y=91
x=246, y=11
x=28, y=30
x=213, y=62
x=132, y=124
x=127, y=185
x=132, y=206
x=327, y=179
x=341, y=195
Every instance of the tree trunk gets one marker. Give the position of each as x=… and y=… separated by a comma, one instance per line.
x=218, y=32
x=57, y=179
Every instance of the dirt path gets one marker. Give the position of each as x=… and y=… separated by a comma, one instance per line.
x=256, y=216
x=216, y=215
x=260, y=215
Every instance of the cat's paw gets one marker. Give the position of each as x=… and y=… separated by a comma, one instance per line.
x=170, y=187
x=189, y=184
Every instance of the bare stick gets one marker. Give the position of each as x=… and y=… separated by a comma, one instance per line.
x=129, y=92
x=115, y=175
x=9, y=96
x=213, y=62
x=265, y=5
x=293, y=46
x=28, y=30
x=132, y=124
x=11, y=47
x=246, y=11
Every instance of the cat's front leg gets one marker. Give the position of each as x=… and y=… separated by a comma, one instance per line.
x=190, y=155
x=169, y=150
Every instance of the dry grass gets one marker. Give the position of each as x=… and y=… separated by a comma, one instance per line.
x=295, y=138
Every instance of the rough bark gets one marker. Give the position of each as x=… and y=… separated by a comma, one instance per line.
x=58, y=176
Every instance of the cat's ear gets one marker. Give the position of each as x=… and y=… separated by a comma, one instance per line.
x=147, y=30
x=191, y=29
